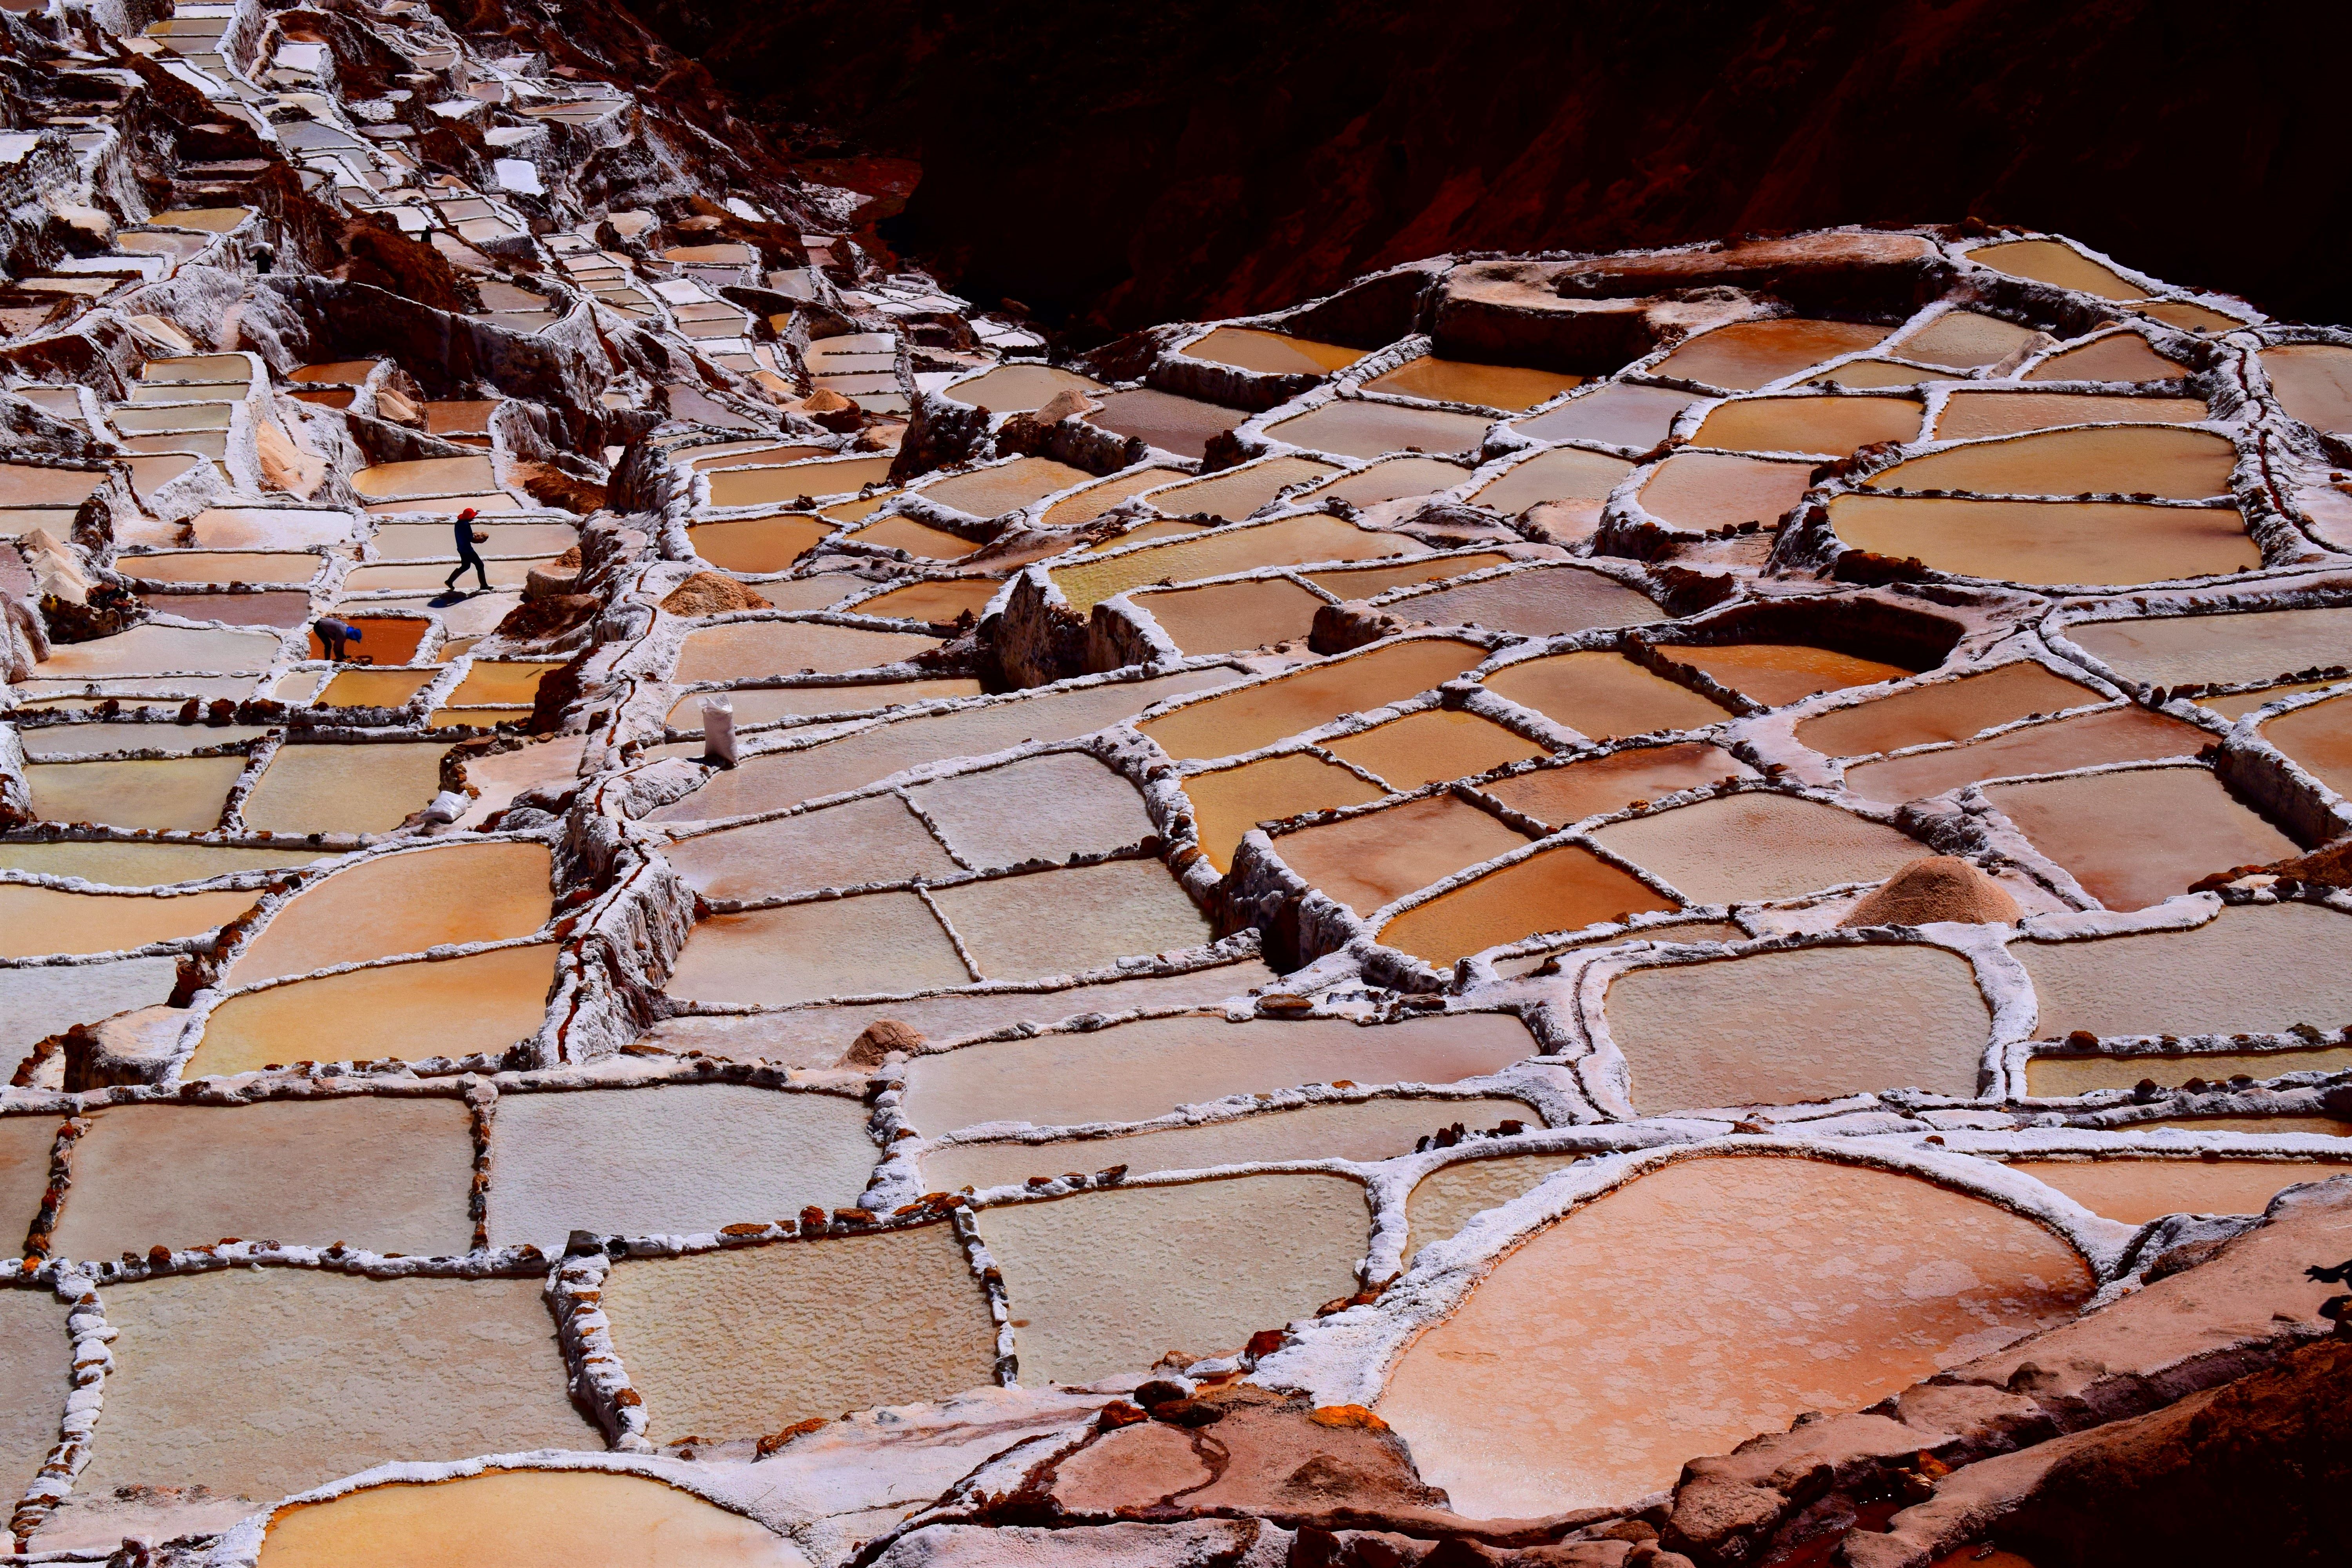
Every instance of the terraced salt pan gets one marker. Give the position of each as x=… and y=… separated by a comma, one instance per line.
x=1315, y=537
x=1258, y=715
x=382, y=1173
x=1624, y=414
x=36, y=921
x=2136, y=1190
x=1237, y=493
x=873, y=944
x=1182, y=426
x=2320, y=738
x=1874, y=372
x=1508, y=387
x=36, y=1002
x=1564, y=888
x=1759, y=846
x=290, y=608
x=154, y=648
x=1362, y=581
x=522, y=1519
x=1831, y=1021
x=403, y=903
x=1746, y=354
x=1228, y=802
x=764, y=705
x=1102, y=1283
x=1005, y=486
x=480, y=1002
x=1221, y=616
x=1352, y=428
x=2324, y=1126
x=1391, y=480
x=1610, y=783
x=215, y=1379
x=744, y=1342
x=1435, y=743
x=1683, y=931
x=2037, y=542
x=1098, y=499
x=1367, y=1130
x=2115, y=735
x=938, y=601
x=2048, y=261
x=678, y=1159
x=1444, y=1201
x=782, y=487
x=26, y=1142
x=1565, y=473
x=2312, y=381
x=2133, y=840
x=2225, y=649
x=748, y=455
x=1134, y=1072
x=1973, y=415
x=270, y=528
x=744, y=650
x=2163, y=460
x=2065, y=1077
x=1776, y=674
x=916, y=539
x=27, y=485
x=214, y=567
x=1603, y=695
x=2189, y=318
x=1064, y=922
x=344, y=789
x=1272, y=353
x=2122, y=356
x=816, y=1036
x=1020, y=388
x=779, y=779
x=1967, y=339
x=1826, y=1287
x=758, y=544
x=1374, y=859
x=175, y=792
x=1944, y=711
x=2258, y=969
x=2236, y=705
x=1699, y=490
x=372, y=687
x=1545, y=601
x=872, y=840
x=1831, y=426
x=36, y=1372
x=423, y=476
x=1047, y=808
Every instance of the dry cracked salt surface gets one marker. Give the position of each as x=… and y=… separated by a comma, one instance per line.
x=1277, y=945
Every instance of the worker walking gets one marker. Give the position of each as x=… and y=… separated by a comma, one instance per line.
x=468, y=537
x=333, y=635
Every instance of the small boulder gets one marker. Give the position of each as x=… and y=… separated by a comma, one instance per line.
x=709, y=593
x=878, y=1040
x=1940, y=887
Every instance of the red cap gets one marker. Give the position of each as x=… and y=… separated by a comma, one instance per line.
x=468, y=515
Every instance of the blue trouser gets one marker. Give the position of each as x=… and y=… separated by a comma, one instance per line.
x=469, y=556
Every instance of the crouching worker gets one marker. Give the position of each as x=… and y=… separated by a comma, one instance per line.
x=334, y=636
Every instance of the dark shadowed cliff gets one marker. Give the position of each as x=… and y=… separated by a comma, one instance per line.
x=1119, y=165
